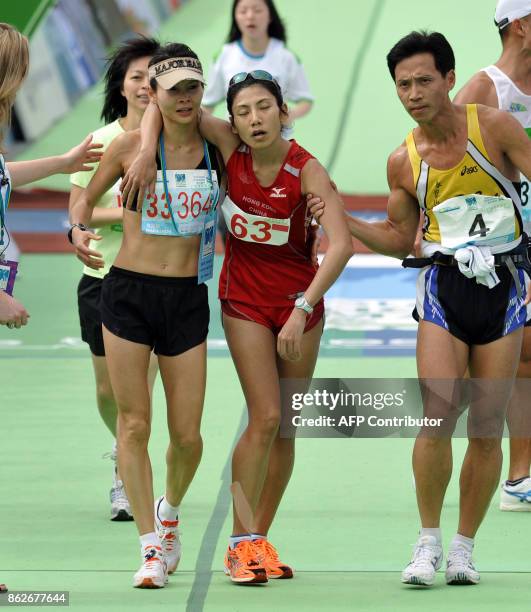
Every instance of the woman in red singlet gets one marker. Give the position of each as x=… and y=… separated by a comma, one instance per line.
x=271, y=295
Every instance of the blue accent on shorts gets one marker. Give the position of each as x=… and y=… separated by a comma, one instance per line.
x=516, y=311
x=433, y=311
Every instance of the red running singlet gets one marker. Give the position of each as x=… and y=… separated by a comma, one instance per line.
x=268, y=252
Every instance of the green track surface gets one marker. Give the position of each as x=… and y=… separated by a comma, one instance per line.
x=347, y=523
x=357, y=119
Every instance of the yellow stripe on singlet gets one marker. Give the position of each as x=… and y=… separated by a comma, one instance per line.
x=475, y=173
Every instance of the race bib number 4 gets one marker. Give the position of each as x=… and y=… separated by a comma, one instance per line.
x=475, y=220
x=254, y=228
x=190, y=200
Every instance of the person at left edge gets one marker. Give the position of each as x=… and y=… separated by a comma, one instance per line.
x=14, y=64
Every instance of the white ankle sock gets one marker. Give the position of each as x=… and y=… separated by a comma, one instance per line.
x=461, y=540
x=257, y=536
x=234, y=540
x=166, y=512
x=149, y=539
x=432, y=531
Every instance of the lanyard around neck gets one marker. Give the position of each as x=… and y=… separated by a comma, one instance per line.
x=4, y=203
x=162, y=155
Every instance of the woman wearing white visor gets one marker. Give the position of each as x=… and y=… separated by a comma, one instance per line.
x=154, y=298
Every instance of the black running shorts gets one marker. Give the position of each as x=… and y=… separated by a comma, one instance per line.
x=88, y=302
x=170, y=315
x=469, y=311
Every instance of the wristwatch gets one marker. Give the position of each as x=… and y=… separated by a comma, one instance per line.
x=82, y=227
x=302, y=303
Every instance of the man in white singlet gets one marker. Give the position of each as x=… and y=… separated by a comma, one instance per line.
x=507, y=85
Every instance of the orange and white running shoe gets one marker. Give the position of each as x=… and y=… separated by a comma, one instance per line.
x=268, y=557
x=242, y=565
x=168, y=533
x=153, y=573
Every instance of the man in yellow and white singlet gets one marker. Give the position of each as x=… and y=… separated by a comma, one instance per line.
x=507, y=85
x=461, y=166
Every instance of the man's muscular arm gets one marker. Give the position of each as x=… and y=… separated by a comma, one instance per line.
x=395, y=236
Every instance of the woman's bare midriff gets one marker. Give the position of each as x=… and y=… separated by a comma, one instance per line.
x=156, y=255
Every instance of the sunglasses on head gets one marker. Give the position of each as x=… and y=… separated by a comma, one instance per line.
x=256, y=75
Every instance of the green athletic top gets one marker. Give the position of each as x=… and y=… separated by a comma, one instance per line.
x=111, y=235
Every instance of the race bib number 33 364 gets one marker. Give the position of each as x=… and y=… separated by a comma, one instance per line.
x=190, y=200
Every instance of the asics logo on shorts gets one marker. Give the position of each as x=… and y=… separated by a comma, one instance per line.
x=277, y=193
x=469, y=170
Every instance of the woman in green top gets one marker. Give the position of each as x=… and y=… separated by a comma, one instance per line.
x=126, y=98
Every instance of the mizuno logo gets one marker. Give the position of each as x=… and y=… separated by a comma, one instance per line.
x=469, y=170
x=277, y=193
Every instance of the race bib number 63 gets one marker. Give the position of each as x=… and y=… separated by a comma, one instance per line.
x=254, y=228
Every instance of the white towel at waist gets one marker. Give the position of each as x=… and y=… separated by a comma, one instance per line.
x=477, y=262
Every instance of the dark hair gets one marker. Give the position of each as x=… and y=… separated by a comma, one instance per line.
x=272, y=87
x=114, y=104
x=423, y=42
x=168, y=51
x=503, y=32
x=276, y=28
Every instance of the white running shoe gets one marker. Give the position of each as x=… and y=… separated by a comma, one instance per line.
x=120, y=508
x=168, y=533
x=426, y=560
x=153, y=573
x=459, y=567
x=517, y=498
